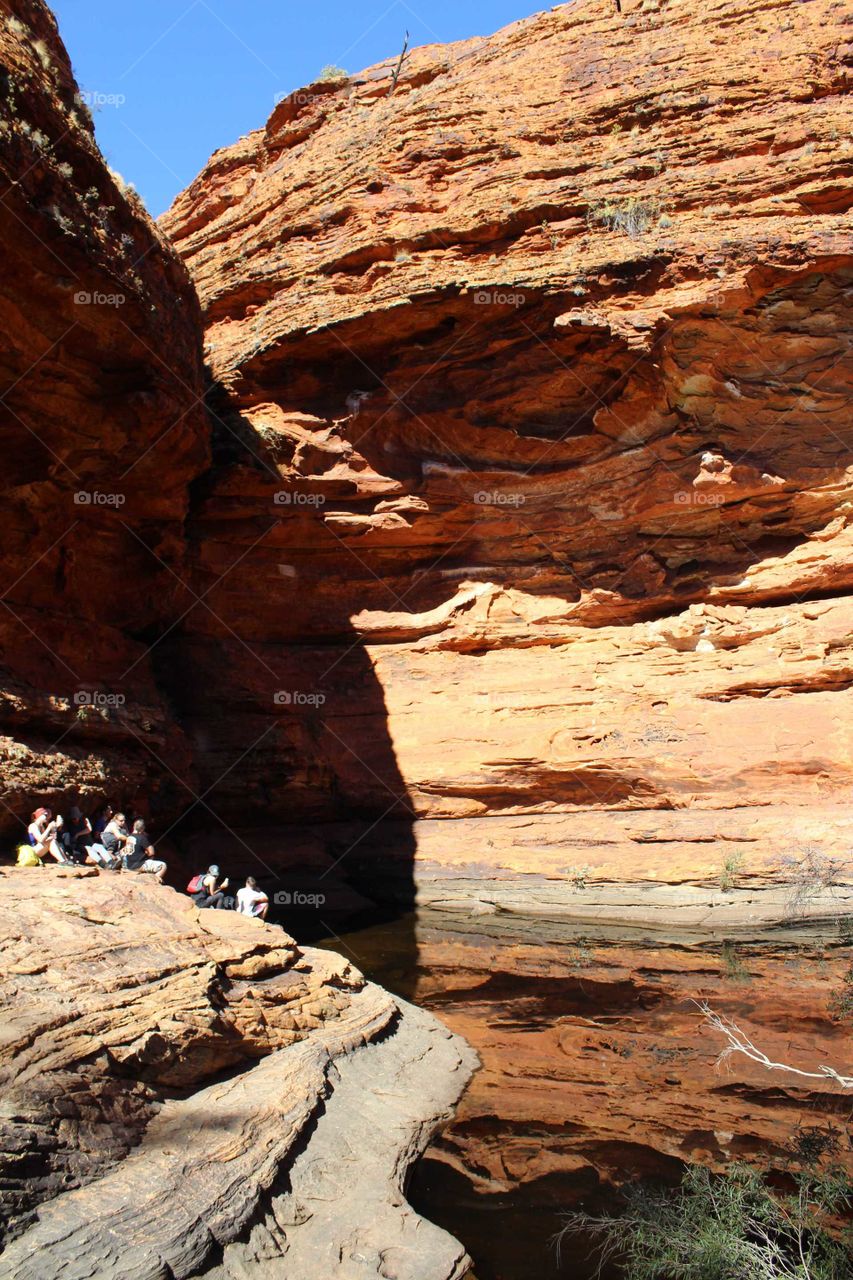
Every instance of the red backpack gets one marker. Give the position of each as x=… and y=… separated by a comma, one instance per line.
x=195, y=884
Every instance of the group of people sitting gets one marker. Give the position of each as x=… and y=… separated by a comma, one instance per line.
x=104, y=841
x=210, y=889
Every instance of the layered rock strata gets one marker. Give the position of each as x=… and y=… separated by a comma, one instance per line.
x=189, y=1093
x=598, y=1069
x=533, y=376
x=102, y=429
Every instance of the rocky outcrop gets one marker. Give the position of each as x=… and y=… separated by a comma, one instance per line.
x=190, y=1093
x=102, y=429
x=531, y=488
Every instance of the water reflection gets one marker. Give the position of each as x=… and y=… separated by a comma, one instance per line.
x=597, y=1069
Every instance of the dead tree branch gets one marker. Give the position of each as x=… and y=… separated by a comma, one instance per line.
x=738, y=1042
x=399, y=67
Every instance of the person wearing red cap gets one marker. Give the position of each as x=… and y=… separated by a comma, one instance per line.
x=43, y=832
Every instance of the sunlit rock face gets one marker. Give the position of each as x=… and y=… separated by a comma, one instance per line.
x=521, y=548
x=102, y=429
x=531, y=487
x=189, y=1093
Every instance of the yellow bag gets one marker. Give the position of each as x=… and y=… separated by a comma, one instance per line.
x=27, y=856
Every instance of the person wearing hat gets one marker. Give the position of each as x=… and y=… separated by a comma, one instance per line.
x=212, y=891
x=43, y=833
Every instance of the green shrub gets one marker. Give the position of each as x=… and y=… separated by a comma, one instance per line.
x=732, y=966
x=728, y=1226
x=578, y=877
x=331, y=72
x=730, y=870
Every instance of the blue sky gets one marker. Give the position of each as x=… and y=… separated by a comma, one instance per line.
x=175, y=79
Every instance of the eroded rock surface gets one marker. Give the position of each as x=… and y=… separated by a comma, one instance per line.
x=598, y=1070
x=102, y=430
x=540, y=369
x=171, y=1085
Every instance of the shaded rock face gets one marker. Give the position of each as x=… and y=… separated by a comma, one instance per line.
x=598, y=1070
x=102, y=430
x=183, y=1092
x=533, y=382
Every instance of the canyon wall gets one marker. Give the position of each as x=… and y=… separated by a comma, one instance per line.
x=598, y=1069
x=102, y=428
x=512, y=541
x=526, y=546
x=184, y=1093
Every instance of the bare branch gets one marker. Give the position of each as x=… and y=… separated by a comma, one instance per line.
x=399, y=67
x=738, y=1042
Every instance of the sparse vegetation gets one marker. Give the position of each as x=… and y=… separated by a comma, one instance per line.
x=730, y=871
x=549, y=231
x=732, y=966
x=841, y=1001
x=43, y=54
x=633, y=215
x=810, y=874
x=82, y=115
x=117, y=178
x=581, y=955
x=578, y=877
x=729, y=1226
x=332, y=72
x=61, y=219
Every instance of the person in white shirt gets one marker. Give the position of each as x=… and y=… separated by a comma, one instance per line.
x=252, y=901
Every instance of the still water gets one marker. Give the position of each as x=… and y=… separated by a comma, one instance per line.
x=597, y=1068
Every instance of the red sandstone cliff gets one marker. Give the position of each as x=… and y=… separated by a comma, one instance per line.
x=521, y=558
x=546, y=355
x=102, y=430
x=528, y=496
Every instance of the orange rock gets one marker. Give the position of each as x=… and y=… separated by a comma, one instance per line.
x=102, y=430
x=554, y=338
x=527, y=517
